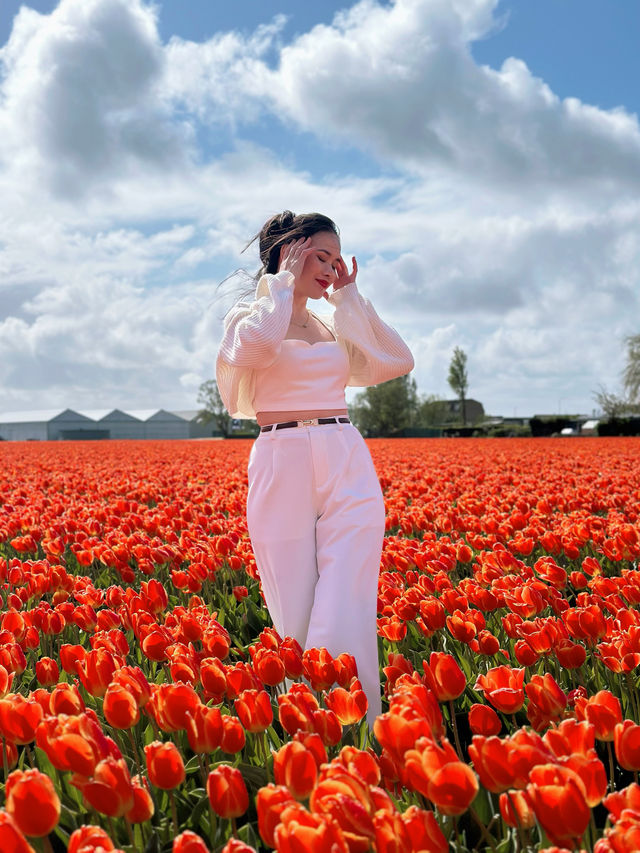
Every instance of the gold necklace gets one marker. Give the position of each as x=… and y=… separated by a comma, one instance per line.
x=302, y=325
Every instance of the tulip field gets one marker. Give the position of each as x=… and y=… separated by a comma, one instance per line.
x=148, y=706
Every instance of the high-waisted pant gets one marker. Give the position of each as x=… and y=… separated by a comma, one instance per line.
x=316, y=519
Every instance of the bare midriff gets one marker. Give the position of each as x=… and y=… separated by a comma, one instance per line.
x=266, y=418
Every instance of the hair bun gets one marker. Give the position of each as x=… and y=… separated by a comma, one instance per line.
x=283, y=221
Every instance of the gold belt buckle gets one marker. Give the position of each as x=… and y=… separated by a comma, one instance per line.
x=308, y=422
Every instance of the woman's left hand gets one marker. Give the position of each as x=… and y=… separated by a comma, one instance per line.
x=345, y=277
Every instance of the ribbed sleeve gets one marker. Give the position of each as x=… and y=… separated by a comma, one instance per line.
x=377, y=353
x=254, y=331
x=253, y=334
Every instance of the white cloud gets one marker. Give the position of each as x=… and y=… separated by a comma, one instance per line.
x=501, y=219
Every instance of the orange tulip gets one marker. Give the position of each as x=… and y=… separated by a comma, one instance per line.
x=444, y=677
x=120, y=707
x=213, y=676
x=516, y=809
x=12, y=840
x=626, y=739
x=437, y=773
x=97, y=669
x=502, y=686
x=253, y=707
x=391, y=834
x=235, y=845
x=546, y=700
x=135, y=681
x=506, y=763
x=109, y=791
x=348, y=800
x=32, y=802
x=291, y=655
x=327, y=725
x=483, y=720
x=66, y=699
x=233, y=737
x=603, y=711
x=268, y=666
x=319, y=668
x=189, y=842
x=19, y=718
x=270, y=802
x=296, y=768
x=47, y=672
x=143, y=808
x=300, y=830
x=423, y=831
x=296, y=708
x=227, y=791
x=204, y=729
x=165, y=766
x=173, y=703
x=349, y=706
x=88, y=838
x=559, y=801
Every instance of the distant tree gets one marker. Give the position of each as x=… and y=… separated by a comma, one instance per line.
x=213, y=408
x=611, y=404
x=432, y=411
x=458, y=379
x=631, y=375
x=615, y=405
x=385, y=409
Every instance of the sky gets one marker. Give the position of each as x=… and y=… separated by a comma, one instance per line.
x=480, y=157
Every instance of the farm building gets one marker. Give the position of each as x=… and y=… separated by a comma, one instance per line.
x=67, y=424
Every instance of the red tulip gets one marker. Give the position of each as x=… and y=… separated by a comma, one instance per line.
x=270, y=802
x=12, y=840
x=120, y=707
x=603, y=711
x=204, y=729
x=88, y=838
x=268, y=666
x=227, y=791
x=559, y=801
x=437, y=773
x=164, y=765
x=444, y=677
x=47, y=672
x=300, y=830
x=502, y=686
x=142, y=808
x=253, y=707
x=349, y=706
x=32, y=802
x=424, y=831
x=109, y=791
x=626, y=740
x=189, y=842
x=483, y=720
x=295, y=767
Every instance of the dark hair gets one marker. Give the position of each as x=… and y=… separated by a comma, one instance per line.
x=284, y=228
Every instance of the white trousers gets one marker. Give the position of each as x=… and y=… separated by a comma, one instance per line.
x=315, y=513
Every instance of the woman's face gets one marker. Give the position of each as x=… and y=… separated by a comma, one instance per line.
x=319, y=271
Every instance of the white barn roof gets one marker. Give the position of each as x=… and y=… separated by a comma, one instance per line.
x=37, y=416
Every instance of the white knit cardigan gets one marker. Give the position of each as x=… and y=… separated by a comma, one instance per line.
x=254, y=331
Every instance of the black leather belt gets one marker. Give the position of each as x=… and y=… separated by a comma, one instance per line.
x=308, y=422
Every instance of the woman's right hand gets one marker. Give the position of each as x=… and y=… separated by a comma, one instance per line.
x=293, y=256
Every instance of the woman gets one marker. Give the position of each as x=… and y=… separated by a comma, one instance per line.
x=314, y=509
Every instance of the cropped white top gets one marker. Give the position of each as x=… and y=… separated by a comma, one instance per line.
x=254, y=339
x=303, y=377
